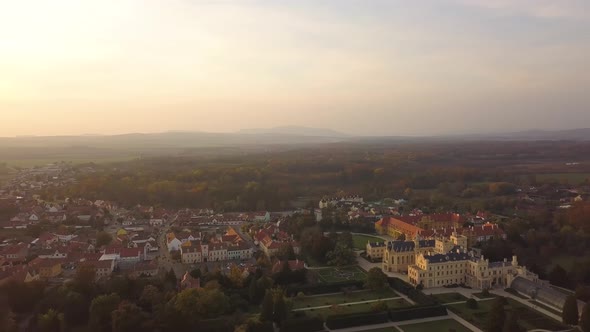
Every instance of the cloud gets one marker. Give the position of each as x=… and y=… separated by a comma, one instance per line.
x=544, y=9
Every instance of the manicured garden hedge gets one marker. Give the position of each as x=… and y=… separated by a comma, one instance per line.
x=401, y=314
x=306, y=324
x=344, y=321
x=323, y=288
x=415, y=295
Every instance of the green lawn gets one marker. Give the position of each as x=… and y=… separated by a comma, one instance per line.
x=436, y=326
x=528, y=318
x=480, y=295
x=360, y=241
x=354, y=308
x=340, y=298
x=449, y=297
x=550, y=309
x=334, y=274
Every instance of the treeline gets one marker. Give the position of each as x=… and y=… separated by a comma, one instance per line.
x=273, y=181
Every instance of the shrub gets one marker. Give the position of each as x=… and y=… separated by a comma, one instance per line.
x=471, y=304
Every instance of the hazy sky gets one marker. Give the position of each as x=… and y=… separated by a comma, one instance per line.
x=363, y=67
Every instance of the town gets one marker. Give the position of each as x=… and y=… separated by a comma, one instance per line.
x=398, y=267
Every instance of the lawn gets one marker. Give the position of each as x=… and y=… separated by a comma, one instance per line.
x=528, y=318
x=354, y=308
x=334, y=274
x=550, y=309
x=436, y=326
x=321, y=300
x=360, y=241
x=449, y=297
x=480, y=295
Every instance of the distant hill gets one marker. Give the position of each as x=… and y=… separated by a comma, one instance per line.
x=580, y=134
x=295, y=131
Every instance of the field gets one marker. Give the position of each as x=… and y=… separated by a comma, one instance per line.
x=334, y=274
x=528, y=318
x=316, y=301
x=449, y=297
x=571, y=178
x=435, y=326
x=360, y=241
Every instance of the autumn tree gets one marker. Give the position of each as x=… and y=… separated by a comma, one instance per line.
x=267, y=312
x=100, y=312
x=128, y=317
x=51, y=321
x=103, y=238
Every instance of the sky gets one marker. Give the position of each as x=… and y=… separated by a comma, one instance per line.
x=364, y=67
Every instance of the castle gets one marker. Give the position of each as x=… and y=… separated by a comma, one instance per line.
x=445, y=261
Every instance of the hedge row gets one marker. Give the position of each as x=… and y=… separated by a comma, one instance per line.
x=307, y=324
x=323, y=288
x=415, y=295
x=344, y=321
x=401, y=314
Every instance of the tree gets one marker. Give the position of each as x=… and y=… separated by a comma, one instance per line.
x=346, y=239
x=558, y=276
x=497, y=315
x=129, y=318
x=151, y=298
x=286, y=251
x=51, y=321
x=100, y=312
x=585, y=319
x=103, y=238
x=511, y=324
x=471, y=304
x=341, y=255
x=195, y=273
x=170, y=280
x=280, y=307
x=379, y=306
x=266, y=314
x=376, y=279
x=7, y=320
x=569, y=314
x=236, y=277
x=253, y=291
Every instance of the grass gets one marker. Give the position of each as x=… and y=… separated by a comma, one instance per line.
x=436, y=326
x=333, y=274
x=360, y=241
x=340, y=298
x=528, y=318
x=343, y=309
x=480, y=295
x=546, y=307
x=449, y=297
x=572, y=178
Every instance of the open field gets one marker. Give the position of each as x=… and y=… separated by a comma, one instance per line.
x=449, y=297
x=354, y=308
x=335, y=274
x=571, y=178
x=528, y=318
x=339, y=298
x=436, y=326
x=360, y=241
